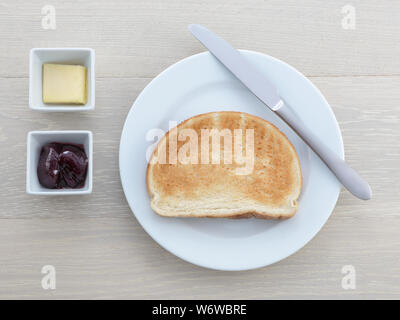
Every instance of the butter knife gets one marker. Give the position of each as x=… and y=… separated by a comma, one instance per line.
x=262, y=88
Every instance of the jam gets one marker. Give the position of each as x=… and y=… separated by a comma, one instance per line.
x=62, y=165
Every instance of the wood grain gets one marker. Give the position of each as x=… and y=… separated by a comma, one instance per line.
x=140, y=38
x=97, y=246
x=115, y=258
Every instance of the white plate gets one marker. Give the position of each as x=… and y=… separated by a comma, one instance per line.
x=200, y=84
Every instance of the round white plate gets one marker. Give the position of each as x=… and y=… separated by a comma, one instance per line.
x=200, y=84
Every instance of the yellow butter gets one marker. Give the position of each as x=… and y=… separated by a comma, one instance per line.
x=64, y=84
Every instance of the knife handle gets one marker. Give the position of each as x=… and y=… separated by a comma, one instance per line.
x=349, y=178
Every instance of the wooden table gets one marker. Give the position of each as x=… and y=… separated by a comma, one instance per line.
x=95, y=243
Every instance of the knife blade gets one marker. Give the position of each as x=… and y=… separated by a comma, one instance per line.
x=262, y=88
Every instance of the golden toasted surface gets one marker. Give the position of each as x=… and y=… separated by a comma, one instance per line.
x=267, y=186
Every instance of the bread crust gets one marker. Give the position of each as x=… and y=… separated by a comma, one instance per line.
x=246, y=214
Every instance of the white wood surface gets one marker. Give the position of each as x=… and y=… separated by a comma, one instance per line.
x=96, y=245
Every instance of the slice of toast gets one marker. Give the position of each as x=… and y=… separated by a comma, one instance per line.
x=257, y=176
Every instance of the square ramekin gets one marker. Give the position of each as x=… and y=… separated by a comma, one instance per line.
x=36, y=139
x=80, y=56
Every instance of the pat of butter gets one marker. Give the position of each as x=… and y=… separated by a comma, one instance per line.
x=64, y=84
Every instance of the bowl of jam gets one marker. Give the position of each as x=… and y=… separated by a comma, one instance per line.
x=59, y=162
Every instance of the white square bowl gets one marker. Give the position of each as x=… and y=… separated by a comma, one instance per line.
x=73, y=56
x=36, y=140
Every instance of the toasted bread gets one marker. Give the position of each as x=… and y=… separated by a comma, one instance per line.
x=188, y=188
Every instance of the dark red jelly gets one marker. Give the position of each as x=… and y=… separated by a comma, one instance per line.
x=62, y=165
